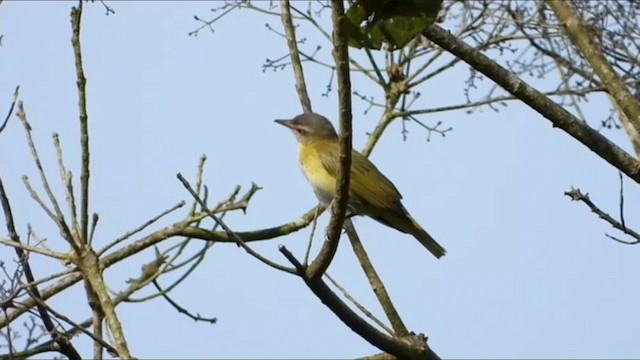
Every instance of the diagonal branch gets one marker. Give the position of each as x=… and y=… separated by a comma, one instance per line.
x=376, y=283
x=66, y=347
x=396, y=346
x=13, y=104
x=582, y=38
x=230, y=232
x=555, y=113
x=577, y=195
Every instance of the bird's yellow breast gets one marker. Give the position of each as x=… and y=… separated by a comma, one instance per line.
x=322, y=182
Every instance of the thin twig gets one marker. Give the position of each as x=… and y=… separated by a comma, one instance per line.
x=622, y=200
x=376, y=283
x=313, y=231
x=140, y=228
x=398, y=347
x=58, y=217
x=65, y=177
x=230, y=233
x=75, y=325
x=35, y=249
x=577, y=195
x=182, y=310
x=13, y=104
x=199, y=173
x=92, y=228
x=65, y=346
x=37, y=199
x=497, y=99
x=301, y=86
x=360, y=307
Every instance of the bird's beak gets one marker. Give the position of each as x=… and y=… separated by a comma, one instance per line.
x=286, y=123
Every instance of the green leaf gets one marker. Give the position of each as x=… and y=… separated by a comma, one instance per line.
x=394, y=22
x=355, y=16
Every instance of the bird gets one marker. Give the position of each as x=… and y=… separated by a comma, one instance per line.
x=370, y=192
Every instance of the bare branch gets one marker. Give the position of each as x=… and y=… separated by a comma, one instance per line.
x=141, y=227
x=339, y=206
x=301, y=86
x=13, y=104
x=81, y=81
x=377, y=285
x=35, y=249
x=399, y=347
x=577, y=195
x=360, y=307
x=182, y=310
x=57, y=217
x=230, y=233
x=313, y=231
x=66, y=178
x=582, y=38
x=538, y=102
x=65, y=346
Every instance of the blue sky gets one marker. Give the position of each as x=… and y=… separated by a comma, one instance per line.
x=529, y=274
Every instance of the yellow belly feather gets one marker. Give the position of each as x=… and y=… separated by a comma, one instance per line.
x=323, y=183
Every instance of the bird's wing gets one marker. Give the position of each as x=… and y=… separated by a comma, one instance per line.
x=368, y=184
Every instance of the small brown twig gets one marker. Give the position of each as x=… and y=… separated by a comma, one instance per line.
x=140, y=228
x=75, y=325
x=301, y=86
x=230, y=233
x=576, y=195
x=13, y=104
x=360, y=307
x=399, y=328
x=621, y=200
x=181, y=309
x=66, y=178
x=56, y=215
x=199, y=174
x=313, y=231
x=65, y=346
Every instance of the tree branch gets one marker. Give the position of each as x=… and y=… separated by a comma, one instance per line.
x=339, y=206
x=376, y=283
x=396, y=346
x=230, y=232
x=76, y=15
x=13, y=104
x=577, y=195
x=582, y=38
x=555, y=113
x=301, y=86
x=66, y=347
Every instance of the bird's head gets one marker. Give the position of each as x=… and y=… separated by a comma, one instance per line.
x=310, y=127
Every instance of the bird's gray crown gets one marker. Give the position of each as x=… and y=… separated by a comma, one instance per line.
x=315, y=124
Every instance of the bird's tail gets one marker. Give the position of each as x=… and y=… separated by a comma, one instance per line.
x=402, y=221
